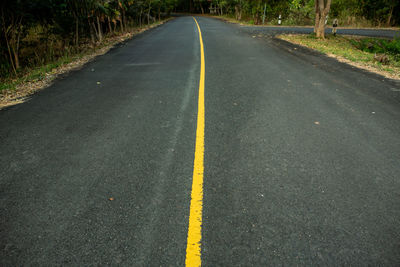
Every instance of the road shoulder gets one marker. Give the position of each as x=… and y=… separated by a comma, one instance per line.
x=336, y=52
x=27, y=86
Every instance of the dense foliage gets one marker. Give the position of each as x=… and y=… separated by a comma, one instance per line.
x=379, y=46
x=34, y=32
x=349, y=12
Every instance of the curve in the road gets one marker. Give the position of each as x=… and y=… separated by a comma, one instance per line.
x=306, y=30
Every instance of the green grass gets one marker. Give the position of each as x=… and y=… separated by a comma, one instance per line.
x=40, y=72
x=34, y=74
x=379, y=46
x=7, y=86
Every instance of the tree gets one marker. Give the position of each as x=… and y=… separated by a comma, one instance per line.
x=322, y=8
x=199, y=4
x=238, y=9
x=391, y=4
x=13, y=18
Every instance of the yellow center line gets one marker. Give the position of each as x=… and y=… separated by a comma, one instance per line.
x=193, y=248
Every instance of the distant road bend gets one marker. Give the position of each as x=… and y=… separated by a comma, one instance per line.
x=194, y=143
x=271, y=30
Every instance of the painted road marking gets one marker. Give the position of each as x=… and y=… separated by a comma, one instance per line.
x=193, y=248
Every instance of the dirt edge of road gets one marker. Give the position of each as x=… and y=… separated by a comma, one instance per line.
x=26, y=89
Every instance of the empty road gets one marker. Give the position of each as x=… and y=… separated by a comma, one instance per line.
x=276, y=156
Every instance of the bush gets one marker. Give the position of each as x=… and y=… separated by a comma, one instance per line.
x=382, y=46
x=379, y=46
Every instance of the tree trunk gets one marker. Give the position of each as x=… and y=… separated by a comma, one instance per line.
x=121, y=24
x=321, y=27
x=140, y=17
x=191, y=6
x=91, y=32
x=5, y=31
x=316, y=26
x=109, y=24
x=16, y=57
x=15, y=43
x=322, y=8
x=99, y=31
x=240, y=9
x=148, y=14
x=76, y=32
x=10, y=54
x=316, y=16
x=94, y=30
x=238, y=12
x=390, y=16
x=123, y=20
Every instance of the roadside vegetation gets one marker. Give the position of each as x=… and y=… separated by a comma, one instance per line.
x=374, y=54
x=355, y=13
x=39, y=37
x=14, y=89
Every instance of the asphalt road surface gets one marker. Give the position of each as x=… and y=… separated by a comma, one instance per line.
x=272, y=30
x=301, y=157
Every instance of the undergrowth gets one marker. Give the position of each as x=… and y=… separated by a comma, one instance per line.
x=37, y=71
x=379, y=46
